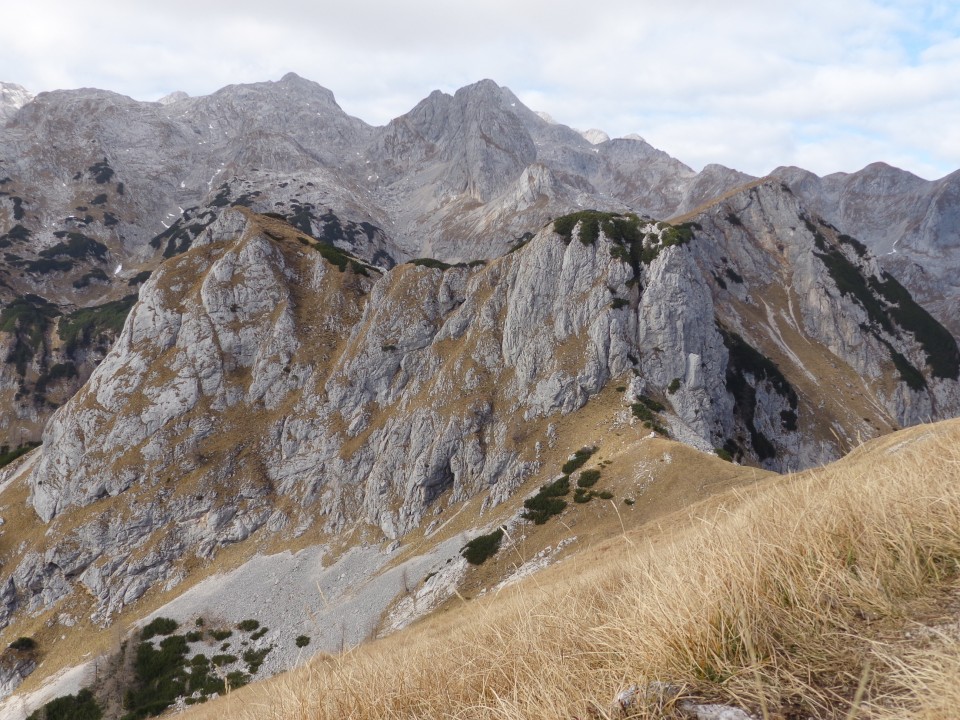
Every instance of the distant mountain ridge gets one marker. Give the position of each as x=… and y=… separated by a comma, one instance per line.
x=96, y=189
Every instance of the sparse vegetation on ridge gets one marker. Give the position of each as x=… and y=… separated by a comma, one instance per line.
x=335, y=256
x=631, y=244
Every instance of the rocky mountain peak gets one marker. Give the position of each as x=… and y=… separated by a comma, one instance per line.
x=175, y=96
x=595, y=136
x=12, y=98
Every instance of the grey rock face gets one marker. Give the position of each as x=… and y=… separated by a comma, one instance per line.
x=12, y=98
x=912, y=225
x=13, y=671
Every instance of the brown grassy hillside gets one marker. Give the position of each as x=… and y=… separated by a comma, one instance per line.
x=832, y=593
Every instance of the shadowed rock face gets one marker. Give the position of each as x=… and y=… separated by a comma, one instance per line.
x=912, y=225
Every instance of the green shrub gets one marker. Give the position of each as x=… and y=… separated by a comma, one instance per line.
x=260, y=633
x=254, y=658
x=59, y=371
x=248, y=625
x=481, y=548
x=788, y=420
x=42, y=266
x=642, y=411
x=547, y=502
x=220, y=634
x=101, y=171
x=139, y=278
x=734, y=275
x=588, y=478
x=744, y=358
x=858, y=247
x=582, y=496
x=223, y=659
x=886, y=300
x=237, y=679
x=24, y=643
x=938, y=343
x=618, y=303
x=158, y=626
x=160, y=677
x=723, y=454
x=82, y=706
x=605, y=495
x=621, y=229
x=94, y=275
x=673, y=386
x=194, y=636
x=654, y=405
x=201, y=680
x=430, y=263
x=337, y=257
x=577, y=461
x=78, y=246
x=18, y=233
x=302, y=641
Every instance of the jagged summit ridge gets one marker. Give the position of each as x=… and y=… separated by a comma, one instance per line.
x=98, y=189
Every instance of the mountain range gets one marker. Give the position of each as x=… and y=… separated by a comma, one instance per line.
x=249, y=323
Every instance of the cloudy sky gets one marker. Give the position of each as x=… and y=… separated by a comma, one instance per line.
x=829, y=85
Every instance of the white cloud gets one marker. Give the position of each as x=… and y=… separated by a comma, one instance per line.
x=749, y=84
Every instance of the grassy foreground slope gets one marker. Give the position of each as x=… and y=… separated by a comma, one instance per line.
x=831, y=593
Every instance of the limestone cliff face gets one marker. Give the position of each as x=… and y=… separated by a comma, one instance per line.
x=264, y=381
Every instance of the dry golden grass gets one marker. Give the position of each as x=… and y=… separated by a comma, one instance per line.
x=789, y=598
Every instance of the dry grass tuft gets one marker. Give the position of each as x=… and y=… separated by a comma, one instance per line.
x=782, y=599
